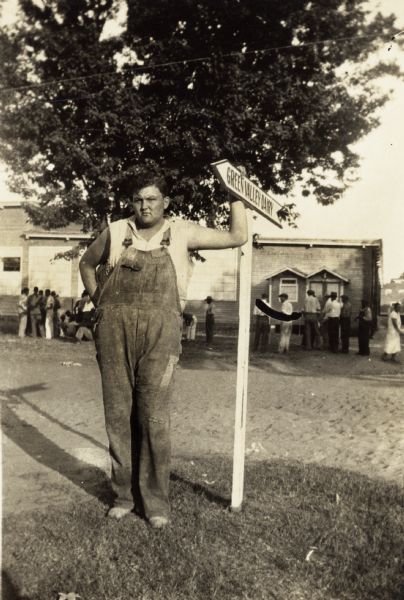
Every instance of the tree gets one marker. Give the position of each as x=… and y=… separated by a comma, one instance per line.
x=185, y=84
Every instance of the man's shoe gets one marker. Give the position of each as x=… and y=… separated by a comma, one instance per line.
x=118, y=512
x=158, y=522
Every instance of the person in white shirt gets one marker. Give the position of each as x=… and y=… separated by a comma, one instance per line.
x=262, y=328
x=286, y=326
x=332, y=313
x=140, y=299
x=311, y=313
x=49, y=315
x=392, y=344
x=22, y=308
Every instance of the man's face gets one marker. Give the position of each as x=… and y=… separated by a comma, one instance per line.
x=149, y=205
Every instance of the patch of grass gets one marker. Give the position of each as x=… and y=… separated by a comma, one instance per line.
x=353, y=526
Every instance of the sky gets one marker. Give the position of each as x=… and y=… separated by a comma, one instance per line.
x=373, y=207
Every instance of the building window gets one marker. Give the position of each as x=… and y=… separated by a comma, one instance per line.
x=11, y=264
x=289, y=287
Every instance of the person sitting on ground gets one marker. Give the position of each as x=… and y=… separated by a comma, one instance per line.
x=190, y=322
x=392, y=345
x=85, y=329
x=68, y=324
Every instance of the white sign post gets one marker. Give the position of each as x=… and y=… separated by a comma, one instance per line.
x=239, y=186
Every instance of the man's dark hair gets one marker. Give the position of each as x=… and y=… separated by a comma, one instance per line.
x=146, y=179
x=311, y=292
x=35, y=290
x=47, y=292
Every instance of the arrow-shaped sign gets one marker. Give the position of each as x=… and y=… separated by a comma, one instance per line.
x=239, y=186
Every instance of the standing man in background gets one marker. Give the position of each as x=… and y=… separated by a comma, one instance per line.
x=364, y=328
x=138, y=336
x=22, y=309
x=311, y=313
x=34, y=308
x=49, y=304
x=333, y=312
x=209, y=320
x=262, y=327
x=286, y=327
x=345, y=321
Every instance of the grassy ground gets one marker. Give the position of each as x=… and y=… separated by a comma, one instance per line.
x=305, y=532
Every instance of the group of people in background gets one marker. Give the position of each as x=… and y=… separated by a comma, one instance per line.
x=328, y=326
x=39, y=313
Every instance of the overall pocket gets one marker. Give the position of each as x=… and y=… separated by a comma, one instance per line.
x=133, y=259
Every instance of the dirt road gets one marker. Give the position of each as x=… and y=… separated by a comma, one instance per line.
x=337, y=410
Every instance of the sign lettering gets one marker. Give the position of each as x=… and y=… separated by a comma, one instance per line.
x=239, y=186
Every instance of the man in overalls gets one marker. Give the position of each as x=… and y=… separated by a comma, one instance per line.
x=140, y=298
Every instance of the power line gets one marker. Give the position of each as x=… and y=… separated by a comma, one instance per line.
x=185, y=62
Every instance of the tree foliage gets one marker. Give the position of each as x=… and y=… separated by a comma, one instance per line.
x=88, y=111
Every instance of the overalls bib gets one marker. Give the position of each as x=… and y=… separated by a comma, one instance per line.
x=138, y=341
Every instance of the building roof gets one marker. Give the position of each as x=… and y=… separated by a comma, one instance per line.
x=72, y=231
x=333, y=273
x=291, y=269
x=312, y=242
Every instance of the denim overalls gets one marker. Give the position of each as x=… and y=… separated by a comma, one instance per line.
x=138, y=341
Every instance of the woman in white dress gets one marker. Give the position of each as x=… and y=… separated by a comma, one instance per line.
x=392, y=344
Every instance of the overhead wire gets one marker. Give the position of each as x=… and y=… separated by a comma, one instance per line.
x=145, y=68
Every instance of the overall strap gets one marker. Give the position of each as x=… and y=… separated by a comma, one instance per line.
x=166, y=240
x=128, y=240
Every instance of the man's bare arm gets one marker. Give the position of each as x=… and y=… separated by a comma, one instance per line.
x=90, y=261
x=207, y=238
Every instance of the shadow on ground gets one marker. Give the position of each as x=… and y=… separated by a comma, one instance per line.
x=84, y=475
